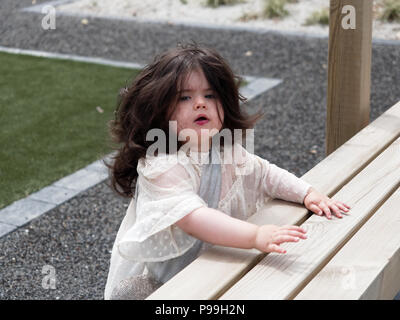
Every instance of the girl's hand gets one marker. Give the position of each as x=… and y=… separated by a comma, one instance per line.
x=321, y=204
x=269, y=237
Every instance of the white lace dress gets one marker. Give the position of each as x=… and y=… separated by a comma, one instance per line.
x=168, y=190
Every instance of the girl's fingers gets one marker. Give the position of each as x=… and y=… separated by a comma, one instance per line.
x=276, y=248
x=336, y=211
x=343, y=206
x=326, y=209
x=323, y=207
x=346, y=205
x=292, y=228
x=285, y=238
x=293, y=233
x=314, y=208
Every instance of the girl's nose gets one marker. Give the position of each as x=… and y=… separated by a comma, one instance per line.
x=200, y=106
x=200, y=103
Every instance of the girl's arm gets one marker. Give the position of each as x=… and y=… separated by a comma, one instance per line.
x=216, y=227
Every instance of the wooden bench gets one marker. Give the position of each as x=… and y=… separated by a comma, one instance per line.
x=356, y=257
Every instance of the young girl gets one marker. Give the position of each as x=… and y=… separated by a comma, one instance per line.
x=183, y=202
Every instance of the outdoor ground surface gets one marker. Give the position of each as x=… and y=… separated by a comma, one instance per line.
x=76, y=238
x=242, y=13
x=54, y=119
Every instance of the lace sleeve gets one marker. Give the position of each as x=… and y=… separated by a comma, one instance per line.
x=271, y=180
x=280, y=183
x=166, y=193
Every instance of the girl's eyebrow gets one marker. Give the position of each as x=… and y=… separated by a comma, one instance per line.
x=193, y=90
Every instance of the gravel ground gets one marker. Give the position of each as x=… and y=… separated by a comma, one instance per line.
x=76, y=238
x=196, y=10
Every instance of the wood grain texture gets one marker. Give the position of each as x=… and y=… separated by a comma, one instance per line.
x=349, y=73
x=218, y=268
x=368, y=266
x=283, y=276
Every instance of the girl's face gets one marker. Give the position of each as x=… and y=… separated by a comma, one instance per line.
x=197, y=99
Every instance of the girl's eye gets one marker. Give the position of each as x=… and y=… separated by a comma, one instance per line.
x=184, y=98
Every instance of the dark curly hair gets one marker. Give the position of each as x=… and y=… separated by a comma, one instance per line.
x=148, y=103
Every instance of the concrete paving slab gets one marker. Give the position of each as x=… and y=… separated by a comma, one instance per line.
x=81, y=180
x=6, y=228
x=22, y=211
x=54, y=194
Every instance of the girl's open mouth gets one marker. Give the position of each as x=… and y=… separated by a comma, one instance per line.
x=201, y=120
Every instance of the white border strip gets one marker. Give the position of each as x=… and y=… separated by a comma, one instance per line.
x=24, y=210
x=38, y=7
x=51, y=55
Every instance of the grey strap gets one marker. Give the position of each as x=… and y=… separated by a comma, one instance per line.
x=210, y=183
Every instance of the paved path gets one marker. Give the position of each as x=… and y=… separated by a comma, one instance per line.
x=76, y=237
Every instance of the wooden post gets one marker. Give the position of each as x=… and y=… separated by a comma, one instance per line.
x=349, y=70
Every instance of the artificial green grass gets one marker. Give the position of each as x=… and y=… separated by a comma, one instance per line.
x=50, y=126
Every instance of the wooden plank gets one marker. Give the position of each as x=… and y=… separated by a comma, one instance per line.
x=349, y=71
x=218, y=268
x=283, y=276
x=368, y=266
